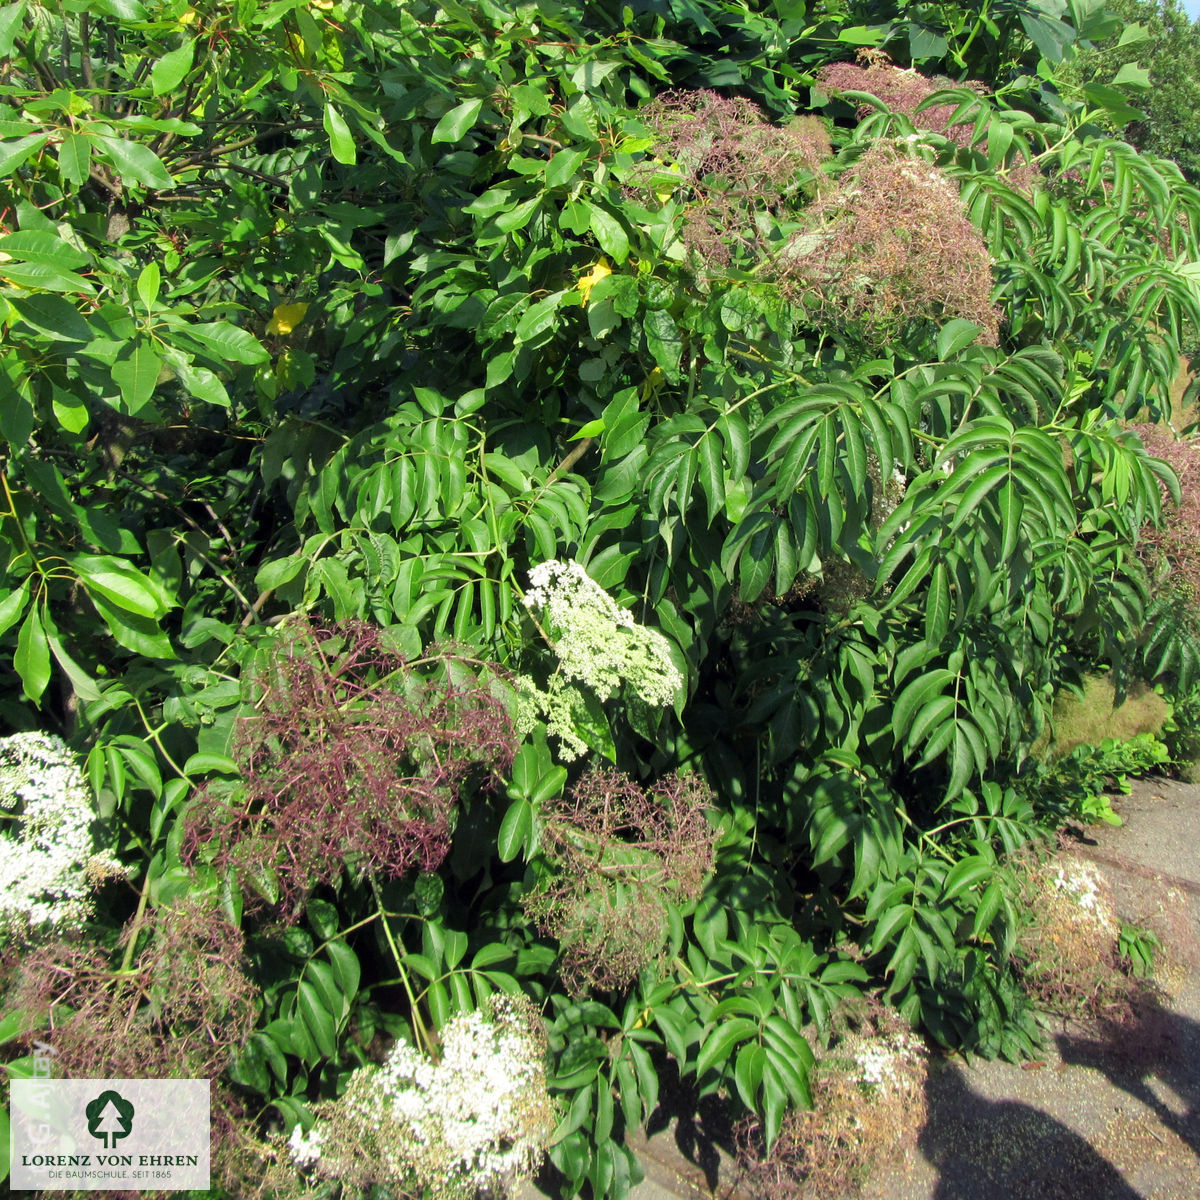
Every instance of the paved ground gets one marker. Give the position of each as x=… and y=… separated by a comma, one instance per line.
x=1107, y=1114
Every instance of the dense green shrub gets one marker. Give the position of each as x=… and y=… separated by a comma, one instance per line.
x=1156, y=54
x=375, y=325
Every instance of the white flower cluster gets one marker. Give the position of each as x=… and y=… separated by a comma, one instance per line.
x=48, y=860
x=305, y=1148
x=598, y=644
x=595, y=640
x=478, y=1118
x=1081, y=882
x=883, y=1063
x=561, y=705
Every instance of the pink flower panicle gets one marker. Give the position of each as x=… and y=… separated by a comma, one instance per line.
x=353, y=758
x=1174, y=549
x=892, y=243
x=732, y=162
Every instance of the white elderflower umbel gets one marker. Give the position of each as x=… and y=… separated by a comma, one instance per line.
x=305, y=1148
x=563, y=708
x=476, y=1119
x=48, y=860
x=887, y=1061
x=595, y=640
x=1082, y=883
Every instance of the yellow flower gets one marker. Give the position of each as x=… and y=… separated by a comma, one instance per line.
x=653, y=383
x=286, y=317
x=587, y=282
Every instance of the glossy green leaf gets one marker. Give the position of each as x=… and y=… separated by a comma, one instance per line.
x=123, y=584
x=169, y=71
x=133, y=162
x=515, y=830
x=341, y=140
x=454, y=125
x=32, y=659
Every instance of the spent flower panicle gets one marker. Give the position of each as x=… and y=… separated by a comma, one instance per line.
x=617, y=856
x=475, y=1119
x=905, y=91
x=181, y=1009
x=1172, y=548
x=1067, y=948
x=49, y=862
x=868, y=1105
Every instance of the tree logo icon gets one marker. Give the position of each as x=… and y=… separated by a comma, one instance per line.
x=109, y=1117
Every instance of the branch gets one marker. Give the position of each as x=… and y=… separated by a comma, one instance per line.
x=44, y=71
x=571, y=459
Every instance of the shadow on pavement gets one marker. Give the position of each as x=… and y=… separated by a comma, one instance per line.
x=698, y=1126
x=1153, y=1057
x=984, y=1149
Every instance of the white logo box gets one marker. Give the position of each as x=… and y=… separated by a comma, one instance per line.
x=108, y=1134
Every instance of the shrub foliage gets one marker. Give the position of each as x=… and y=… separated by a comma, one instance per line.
x=329, y=326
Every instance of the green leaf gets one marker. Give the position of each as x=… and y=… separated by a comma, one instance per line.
x=989, y=905
x=1133, y=32
x=54, y=316
x=168, y=72
x=136, y=373
x=560, y=170
x=70, y=412
x=228, y=342
x=148, y=284
x=864, y=35
x=539, y=318
x=345, y=967
x=515, y=830
x=774, y=1103
x=341, y=140
x=12, y=606
x=11, y=18
x=32, y=658
x=1113, y=103
x=14, y=153
x=272, y=575
x=664, y=340
x=202, y=384
x=955, y=336
x=915, y=696
x=721, y=1041
x=549, y=785
x=966, y=874
x=202, y=763
x=608, y=232
x=134, y=162
x=317, y=1020
x=457, y=121
x=41, y=246
x=937, y=605
x=747, y=1072
x=84, y=685
x=133, y=631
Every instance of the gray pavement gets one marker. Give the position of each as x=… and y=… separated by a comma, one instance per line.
x=1108, y=1113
